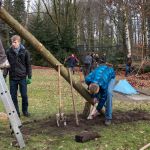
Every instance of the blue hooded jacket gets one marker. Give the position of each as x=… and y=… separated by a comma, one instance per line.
x=101, y=76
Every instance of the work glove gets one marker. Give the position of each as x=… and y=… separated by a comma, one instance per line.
x=29, y=80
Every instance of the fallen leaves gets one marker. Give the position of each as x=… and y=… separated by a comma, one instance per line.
x=140, y=81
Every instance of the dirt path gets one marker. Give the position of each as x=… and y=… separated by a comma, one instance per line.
x=48, y=125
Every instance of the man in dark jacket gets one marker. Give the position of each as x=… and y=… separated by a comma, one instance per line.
x=101, y=82
x=20, y=73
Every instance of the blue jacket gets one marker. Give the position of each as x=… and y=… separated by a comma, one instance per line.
x=101, y=76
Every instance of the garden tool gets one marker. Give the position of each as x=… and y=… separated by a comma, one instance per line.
x=73, y=100
x=15, y=122
x=60, y=117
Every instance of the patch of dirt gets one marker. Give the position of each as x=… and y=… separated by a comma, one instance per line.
x=48, y=125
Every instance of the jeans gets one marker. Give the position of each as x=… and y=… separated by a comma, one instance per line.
x=23, y=91
x=108, y=104
x=72, y=69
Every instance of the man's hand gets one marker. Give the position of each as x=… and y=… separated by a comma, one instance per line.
x=93, y=112
x=29, y=80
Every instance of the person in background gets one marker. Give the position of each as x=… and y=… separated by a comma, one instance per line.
x=128, y=65
x=100, y=83
x=103, y=59
x=96, y=60
x=87, y=64
x=71, y=61
x=20, y=73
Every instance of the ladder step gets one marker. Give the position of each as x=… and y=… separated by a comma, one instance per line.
x=11, y=111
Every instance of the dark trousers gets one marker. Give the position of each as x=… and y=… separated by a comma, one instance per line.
x=87, y=69
x=128, y=70
x=22, y=84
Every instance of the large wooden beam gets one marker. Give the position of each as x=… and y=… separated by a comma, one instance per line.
x=25, y=34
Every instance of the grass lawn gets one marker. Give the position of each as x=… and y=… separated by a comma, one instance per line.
x=129, y=131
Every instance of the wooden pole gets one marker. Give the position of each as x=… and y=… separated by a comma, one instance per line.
x=145, y=147
x=59, y=90
x=73, y=100
x=25, y=34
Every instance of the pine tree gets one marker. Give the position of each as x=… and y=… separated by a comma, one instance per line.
x=8, y=4
x=36, y=28
x=5, y=30
x=19, y=10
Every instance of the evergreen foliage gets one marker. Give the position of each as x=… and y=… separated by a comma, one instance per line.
x=36, y=27
x=6, y=30
x=58, y=38
x=65, y=26
x=19, y=10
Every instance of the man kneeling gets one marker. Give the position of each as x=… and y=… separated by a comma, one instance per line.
x=100, y=84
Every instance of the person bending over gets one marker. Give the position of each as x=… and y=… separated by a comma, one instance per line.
x=100, y=86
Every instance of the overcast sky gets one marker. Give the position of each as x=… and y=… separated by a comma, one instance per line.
x=31, y=3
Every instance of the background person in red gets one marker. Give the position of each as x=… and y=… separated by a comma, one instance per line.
x=71, y=61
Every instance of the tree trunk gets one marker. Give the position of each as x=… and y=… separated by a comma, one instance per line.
x=127, y=32
x=27, y=14
x=4, y=15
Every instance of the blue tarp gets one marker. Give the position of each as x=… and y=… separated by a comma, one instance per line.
x=123, y=86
